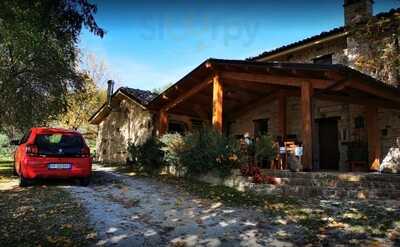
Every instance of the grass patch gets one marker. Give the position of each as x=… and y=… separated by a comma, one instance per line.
x=5, y=158
x=39, y=215
x=6, y=169
x=45, y=216
x=226, y=195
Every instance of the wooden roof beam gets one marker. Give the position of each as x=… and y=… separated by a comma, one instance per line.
x=273, y=79
x=188, y=94
x=366, y=101
x=379, y=92
x=255, y=103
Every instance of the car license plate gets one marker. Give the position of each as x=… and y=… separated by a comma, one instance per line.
x=59, y=166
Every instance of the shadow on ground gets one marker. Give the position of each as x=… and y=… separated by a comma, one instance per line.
x=41, y=215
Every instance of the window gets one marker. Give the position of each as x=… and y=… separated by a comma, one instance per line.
x=326, y=59
x=177, y=127
x=260, y=127
x=359, y=122
x=59, y=144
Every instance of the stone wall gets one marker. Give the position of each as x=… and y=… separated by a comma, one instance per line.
x=244, y=124
x=336, y=47
x=389, y=124
x=128, y=123
x=345, y=51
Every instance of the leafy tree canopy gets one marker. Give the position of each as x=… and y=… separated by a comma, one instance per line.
x=38, y=58
x=82, y=104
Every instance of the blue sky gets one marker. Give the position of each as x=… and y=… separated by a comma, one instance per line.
x=151, y=43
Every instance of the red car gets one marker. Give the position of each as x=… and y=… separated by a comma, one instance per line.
x=52, y=153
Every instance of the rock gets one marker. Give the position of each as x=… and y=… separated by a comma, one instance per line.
x=391, y=163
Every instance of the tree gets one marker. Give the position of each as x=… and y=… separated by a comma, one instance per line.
x=38, y=58
x=96, y=68
x=82, y=104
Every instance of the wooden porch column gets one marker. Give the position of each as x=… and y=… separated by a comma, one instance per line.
x=162, y=122
x=218, y=95
x=282, y=114
x=374, y=142
x=307, y=115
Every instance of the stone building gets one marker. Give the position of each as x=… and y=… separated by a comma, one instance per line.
x=308, y=91
x=127, y=120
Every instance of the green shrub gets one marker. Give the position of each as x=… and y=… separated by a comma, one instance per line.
x=264, y=148
x=173, y=144
x=208, y=151
x=148, y=157
x=5, y=149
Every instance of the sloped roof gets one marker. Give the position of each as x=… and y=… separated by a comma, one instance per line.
x=142, y=97
x=322, y=35
x=322, y=76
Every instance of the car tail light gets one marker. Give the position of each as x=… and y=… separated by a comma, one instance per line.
x=32, y=150
x=85, y=152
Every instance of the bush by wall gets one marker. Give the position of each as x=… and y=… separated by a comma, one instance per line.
x=207, y=151
x=264, y=148
x=5, y=148
x=148, y=157
x=199, y=153
x=173, y=144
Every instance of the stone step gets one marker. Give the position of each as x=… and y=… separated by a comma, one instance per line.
x=333, y=176
x=337, y=183
x=327, y=193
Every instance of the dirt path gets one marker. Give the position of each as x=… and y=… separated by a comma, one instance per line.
x=135, y=211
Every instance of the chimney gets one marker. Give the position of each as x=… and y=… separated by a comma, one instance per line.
x=357, y=10
x=110, y=90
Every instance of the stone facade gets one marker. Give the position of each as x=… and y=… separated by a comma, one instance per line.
x=389, y=125
x=343, y=50
x=357, y=10
x=337, y=48
x=129, y=123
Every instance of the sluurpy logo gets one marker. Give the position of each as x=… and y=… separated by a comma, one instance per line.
x=202, y=29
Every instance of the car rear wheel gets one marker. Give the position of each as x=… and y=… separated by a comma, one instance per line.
x=84, y=181
x=23, y=182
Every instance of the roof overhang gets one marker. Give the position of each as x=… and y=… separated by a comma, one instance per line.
x=249, y=82
x=296, y=48
x=105, y=109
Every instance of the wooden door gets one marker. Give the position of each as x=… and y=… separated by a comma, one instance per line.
x=328, y=144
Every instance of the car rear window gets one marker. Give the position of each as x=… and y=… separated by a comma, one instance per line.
x=60, y=144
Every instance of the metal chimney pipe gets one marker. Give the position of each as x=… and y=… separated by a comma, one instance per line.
x=110, y=90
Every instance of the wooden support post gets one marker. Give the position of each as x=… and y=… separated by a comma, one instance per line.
x=162, y=123
x=218, y=95
x=282, y=114
x=307, y=115
x=374, y=143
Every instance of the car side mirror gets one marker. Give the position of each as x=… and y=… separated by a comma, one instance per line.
x=14, y=142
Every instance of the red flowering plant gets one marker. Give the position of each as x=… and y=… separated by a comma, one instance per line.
x=254, y=172
x=262, y=149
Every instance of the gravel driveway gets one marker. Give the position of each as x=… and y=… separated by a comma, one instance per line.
x=136, y=211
